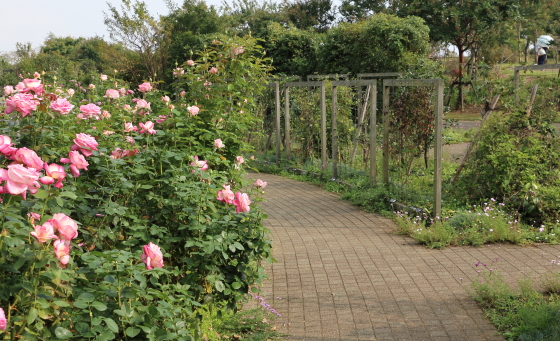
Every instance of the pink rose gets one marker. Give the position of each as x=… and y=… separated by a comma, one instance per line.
x=36, y=74
x=91, y=86
x=237, y=51
x=74, y=170
x=8, y=90
x=178, y=71
x=46, y=180
x=152, y=256
x=238, y=161
x=190, y=62
x=259, y=183
x=71, y=92
x=103, y=77
x=142, y=104
x=19, y=179
x=241, y=202
x=66, y=227
x=147, y=127
x=29, y=157
x=226, y=195
x=200, y=164
x=62, y=251
x=218, y=143
x=85, y=144
x=171, y=106
x=213, y=70
x=122, y=91
x=127, y=107
x=145, y=87
x=193, y=110
x=61, y=106
x=22, y=103
x=34, y=85
x=182, y=93
x=6, y=145
x=78, y=160
x=166, y=99
x=33, y=216
x=44, y=232
x=3, y=320
x=112, y=93
x=128, y=127
x=89, y=110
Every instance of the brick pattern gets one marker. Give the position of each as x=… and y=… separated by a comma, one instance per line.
x=343, y=274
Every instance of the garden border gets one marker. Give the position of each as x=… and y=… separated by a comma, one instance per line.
x=516, y=70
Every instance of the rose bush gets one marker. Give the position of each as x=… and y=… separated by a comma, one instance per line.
x=111, y=227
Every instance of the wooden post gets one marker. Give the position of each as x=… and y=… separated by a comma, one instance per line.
x=278, y=138
x=334, y=134
x=373, y=135
x=323, y=128
x=386, y=97
x=516, y=84
x=438, y=149
x=287, y=122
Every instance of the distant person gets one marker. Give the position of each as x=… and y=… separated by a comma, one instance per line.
x=541, y=53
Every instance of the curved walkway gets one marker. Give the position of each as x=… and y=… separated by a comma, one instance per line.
x=343, y=274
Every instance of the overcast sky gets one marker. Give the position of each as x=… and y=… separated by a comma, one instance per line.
x=23, y=21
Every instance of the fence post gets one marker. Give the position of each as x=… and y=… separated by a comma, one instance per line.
x=323, y=128
x=438, y=149
x=287, y=122
x=277, y=98
x=334, y=133
x=386, y=97
x=373, y=135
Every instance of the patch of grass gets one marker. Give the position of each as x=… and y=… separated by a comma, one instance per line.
x=525, y=314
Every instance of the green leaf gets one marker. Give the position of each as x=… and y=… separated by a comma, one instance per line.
x=99, y=306
x=238, y=246
x=61, y=303
x=132, y=332
x=219, y=285
x=81, y=304
x=86, y=296
x=236, y=285
x=112, y=325
x=70, y=195
x=41, y=194
x=33, y=313
x=59, y=201
x=63, y=333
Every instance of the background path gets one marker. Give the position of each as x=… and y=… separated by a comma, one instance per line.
x=343, y=274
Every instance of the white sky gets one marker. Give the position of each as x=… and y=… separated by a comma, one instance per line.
x=32, y=20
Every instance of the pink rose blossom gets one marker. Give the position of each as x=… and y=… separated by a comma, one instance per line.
x=200, y=164
x=193, y=110
x=22, y=103
x=33, y=216
x=213, y=70
x=106, y=114
x=237, y=51
x=44, y=232
x=89, y=110
x=62, y=251
x=19, y=179
x=142, y=104
x=36, y=74
x=161, y=119
x=147, y=127
x=152, y=256
x=46, y=180
x=239, y=160
x=8, y=90
x=112, y=93
x=65, y=226
x=128, y=127
x=3, y=320
x=92, y=86
x=145, y=87
x=6, y=145
x=218, y=143
x=182, y=93
x=226, y=195
x=130, y=139
x=71, y=92
x=78, y=160
x=85, y=143
x=103, y=77
x=34, y=85
x=190, y=62
x=171, y=106
x=166, y=99
x=122, y=91
x=74, y=170
x=61, y=106
x=178, y=71
x=259, y=183
x=127, y=107
x=28, y=157
x=241, y=202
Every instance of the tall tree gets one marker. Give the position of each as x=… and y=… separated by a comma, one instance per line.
x=317, y=14
x=136, y=29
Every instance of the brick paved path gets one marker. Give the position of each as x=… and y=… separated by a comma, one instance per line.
x=342, y=274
